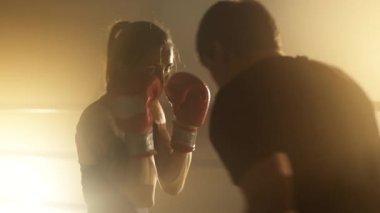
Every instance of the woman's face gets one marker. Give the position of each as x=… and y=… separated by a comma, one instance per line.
x=158, y=62
x=150, y=71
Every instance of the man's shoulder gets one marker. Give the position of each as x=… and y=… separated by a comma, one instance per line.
x=288, y=70
x=285, y=65
x=244, y=83
x=283, y=79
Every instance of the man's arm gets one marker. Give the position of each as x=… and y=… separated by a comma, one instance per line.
x=246, y=136
x=268, y=185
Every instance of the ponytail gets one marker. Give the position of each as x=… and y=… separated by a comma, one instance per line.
x=116, y=30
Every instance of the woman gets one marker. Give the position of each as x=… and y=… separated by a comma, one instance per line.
x=122, y=141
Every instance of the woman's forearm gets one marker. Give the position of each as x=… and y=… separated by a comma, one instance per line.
x=173, y=171
x=172, y=166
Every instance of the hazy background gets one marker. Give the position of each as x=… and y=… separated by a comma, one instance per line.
x=52, y=59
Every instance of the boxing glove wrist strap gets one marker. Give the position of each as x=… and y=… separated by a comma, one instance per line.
x=139, y=144
x=183, y=137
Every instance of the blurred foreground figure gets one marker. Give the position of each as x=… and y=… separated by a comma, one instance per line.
x=122, y=141
x=296, y=135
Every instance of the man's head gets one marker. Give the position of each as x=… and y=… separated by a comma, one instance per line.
x=232, y=34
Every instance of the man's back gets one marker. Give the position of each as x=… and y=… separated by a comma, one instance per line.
x=315, y=114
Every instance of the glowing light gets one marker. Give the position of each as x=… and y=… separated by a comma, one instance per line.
x=34, y=110
x=25, y=184
x=39, y=172
x=44, y=110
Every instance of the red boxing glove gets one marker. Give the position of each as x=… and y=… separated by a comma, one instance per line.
x=131, y=106
x=190, y=99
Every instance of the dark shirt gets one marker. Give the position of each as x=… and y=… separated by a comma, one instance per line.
x=312, y=112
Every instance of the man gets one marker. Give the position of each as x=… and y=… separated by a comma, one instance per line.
x=295, y=134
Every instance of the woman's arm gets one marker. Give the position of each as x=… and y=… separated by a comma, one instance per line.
x=110, y=177
x=189, y=97
x=172, y=166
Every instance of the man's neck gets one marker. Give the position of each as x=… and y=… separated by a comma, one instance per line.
x=239, y=64
x=250, y=60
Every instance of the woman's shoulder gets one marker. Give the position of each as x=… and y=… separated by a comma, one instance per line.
x=93, y=133
x=94, y=114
